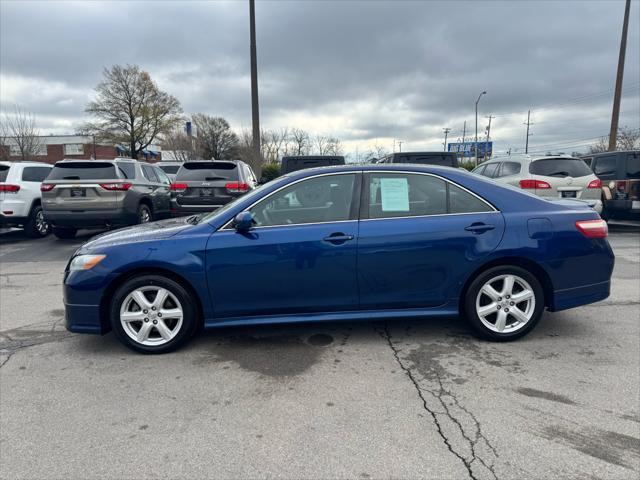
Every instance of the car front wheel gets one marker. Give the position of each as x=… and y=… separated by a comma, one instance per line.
x=153, y=314
x=504, y=303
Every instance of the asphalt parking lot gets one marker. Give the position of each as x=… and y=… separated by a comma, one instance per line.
x=395, y=399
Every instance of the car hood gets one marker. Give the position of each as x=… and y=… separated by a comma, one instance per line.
x=139, y=233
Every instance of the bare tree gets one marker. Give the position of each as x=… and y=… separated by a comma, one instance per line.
x=274, y=144
x=301, y=141
x=130, y=108
x=180, y=144
x=215, y=137
x=19, y=128
x=628, y=139
x=320, y=144
x=334, y=147
x=246, y=153
x=4, y=141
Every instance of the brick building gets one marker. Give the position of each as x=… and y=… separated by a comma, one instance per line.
x=56, y=147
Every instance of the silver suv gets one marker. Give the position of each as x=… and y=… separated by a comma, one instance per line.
x=556, y=177
x=103, y=193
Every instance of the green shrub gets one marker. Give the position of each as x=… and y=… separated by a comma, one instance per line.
x=270, y=171
x=468, y=165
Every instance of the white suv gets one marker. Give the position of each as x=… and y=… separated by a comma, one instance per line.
x=20, y=204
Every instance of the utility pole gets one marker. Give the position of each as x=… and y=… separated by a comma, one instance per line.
x=476, y=144
x=527, y=123
x=615, y=114
x=446, y=132
x=464, y=132
x=400, y=142
x=486, y=143
x=255, y=114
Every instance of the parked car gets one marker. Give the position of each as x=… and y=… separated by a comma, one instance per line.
x=203, y=186
x=403, y=241
x=444, y=159
x=170, y=168
x=295, y=163
x=103, y=193
x=620, y=176
x=550, y=177
x=20, y=198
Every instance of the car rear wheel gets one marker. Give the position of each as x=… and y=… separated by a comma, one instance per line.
x=504, y=303
x=153, y=314
x=144, y=214
x=37, y=226
x=65, y=232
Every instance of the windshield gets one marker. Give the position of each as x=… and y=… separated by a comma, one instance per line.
x=560, y=167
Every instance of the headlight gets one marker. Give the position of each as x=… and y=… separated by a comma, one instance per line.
x=85, y=262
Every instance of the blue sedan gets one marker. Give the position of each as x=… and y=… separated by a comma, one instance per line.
x=344, y=243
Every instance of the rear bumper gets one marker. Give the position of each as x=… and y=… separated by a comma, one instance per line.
x=12, y=220
x=622, y=205
x=583, y=295
x=19, y=208
x=97, y=218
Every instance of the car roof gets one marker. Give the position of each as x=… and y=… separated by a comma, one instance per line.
x=375, y=167
x=25, y=162
x=526, y=158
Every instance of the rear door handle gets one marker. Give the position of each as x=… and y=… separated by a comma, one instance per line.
x=479, y=228
x=338, y=238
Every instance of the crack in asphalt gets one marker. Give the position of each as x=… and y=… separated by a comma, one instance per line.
x=21, y=338
x=478, y=436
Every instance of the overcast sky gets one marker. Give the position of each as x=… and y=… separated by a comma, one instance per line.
x=366, y=72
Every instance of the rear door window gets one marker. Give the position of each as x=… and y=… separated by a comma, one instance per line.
x=35, y=174
x=491, y=170
x=149, y=174
x=4, y=171
x=83, y=171
x=162, y=176
x=605, y=166
x=560, y=167
x=406, y=195
x=633, y=165
x=461, y=201
x=207, y=171
x=128, y=169
x=171, y=169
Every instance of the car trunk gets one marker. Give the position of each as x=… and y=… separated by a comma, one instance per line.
x=207, y=183
x=568, y=178
x=80, y=186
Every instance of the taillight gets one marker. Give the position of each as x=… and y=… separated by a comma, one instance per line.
x=593, y=228
x=532, y=184
x=117, y=186
x=597, y=183
x=7, y=187
x=621, y=185
x=46, y=187
x=237, y=187
x=178, y=187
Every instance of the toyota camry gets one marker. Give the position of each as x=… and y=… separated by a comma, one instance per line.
x=344, y=243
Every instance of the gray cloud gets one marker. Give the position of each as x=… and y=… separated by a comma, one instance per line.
x=359, y=70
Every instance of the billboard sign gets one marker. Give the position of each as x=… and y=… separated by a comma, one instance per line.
x=467, y=149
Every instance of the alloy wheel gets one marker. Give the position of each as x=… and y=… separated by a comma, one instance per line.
x=505, y=303
x=41, y=224
x=145, y=216
x=151, y=316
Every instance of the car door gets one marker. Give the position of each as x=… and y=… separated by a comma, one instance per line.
x=164, y=192
x=152, y=186
x=419, y=237
x=299, y=258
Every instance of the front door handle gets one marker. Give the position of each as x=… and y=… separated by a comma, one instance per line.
x=479, y=228
x=338, y=238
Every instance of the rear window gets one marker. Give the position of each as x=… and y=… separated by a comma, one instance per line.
x=633, y=165
x=560, y=167
x=35, y=174
x=442, y=159
x=83, y=171
x=4, y=171
x=605, y=166
x=208, y=171
x=170, y=169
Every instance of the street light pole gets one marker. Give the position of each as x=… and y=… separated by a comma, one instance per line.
x=255, y=114
x=446, y=132
x=476, y=142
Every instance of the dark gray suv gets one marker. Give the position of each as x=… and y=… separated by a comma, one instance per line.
x=203, y=186
x=103, y=193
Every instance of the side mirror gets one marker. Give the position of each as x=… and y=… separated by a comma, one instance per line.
x=243, y=222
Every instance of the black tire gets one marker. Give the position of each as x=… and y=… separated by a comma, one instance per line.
x=144, y=214
x=606, y=214
x=474, y=289
x=187, y=302
x=37, y=226
x=65, y=233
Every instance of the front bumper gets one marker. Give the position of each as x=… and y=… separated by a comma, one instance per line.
x=96, y=218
